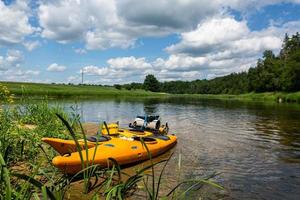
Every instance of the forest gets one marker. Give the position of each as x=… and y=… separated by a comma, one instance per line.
x=272, y=73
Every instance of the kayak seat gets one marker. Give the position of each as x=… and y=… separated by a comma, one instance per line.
x=99, y=138
x=148, y=140
x=161, y=137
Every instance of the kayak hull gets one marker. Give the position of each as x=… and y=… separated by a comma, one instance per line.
x=124, y=150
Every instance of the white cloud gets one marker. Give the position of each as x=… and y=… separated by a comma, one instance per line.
x=73, y=79
x=108, y=24
x=107, y=39
x=128, y=63
x=13, y=59
x=26, y=73
x=120, y=69
x=14, y=23
x=54, y=67
x=80, y=51
x=225, y=36
x=70, y=20
x=11, y=67
x=94, y=70
x=223, y=45
x=210, y=34
x=31, y=45
x=19, y=75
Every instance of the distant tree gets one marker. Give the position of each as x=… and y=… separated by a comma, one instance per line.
x=127, y=86
x=151, y=83
x=117, y=86
x=291, y=75
x=272, y=73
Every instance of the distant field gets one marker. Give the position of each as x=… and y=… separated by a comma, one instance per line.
x=82, y=91
x=86, y=91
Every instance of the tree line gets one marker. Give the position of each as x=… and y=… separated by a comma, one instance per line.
x=272, y=73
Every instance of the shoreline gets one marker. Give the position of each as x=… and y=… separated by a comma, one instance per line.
x=54, y=91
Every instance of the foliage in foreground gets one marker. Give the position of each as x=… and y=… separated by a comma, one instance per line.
x=23, y=125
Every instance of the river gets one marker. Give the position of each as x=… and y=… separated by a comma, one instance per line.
x=254, y=146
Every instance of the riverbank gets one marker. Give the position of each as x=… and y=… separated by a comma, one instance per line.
x=93, y=91
x=79, y=91
x=279, y=97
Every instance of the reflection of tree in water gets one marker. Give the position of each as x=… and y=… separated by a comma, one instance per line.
x=150, y=109
x=283, y=127
x=150, y=106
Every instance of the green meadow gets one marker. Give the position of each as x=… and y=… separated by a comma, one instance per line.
x=80, y=91
x=93, y=91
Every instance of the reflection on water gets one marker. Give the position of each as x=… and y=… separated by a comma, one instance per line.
x=256, y=147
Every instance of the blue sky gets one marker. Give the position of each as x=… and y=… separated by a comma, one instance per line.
x=120, y=41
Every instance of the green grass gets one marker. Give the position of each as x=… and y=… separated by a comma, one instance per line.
x=91, y=91
x=257, y=97
x=81, y=91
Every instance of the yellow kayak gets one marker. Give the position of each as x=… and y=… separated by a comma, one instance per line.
x=123, y=145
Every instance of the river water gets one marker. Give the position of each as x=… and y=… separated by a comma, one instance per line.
x=255, y=147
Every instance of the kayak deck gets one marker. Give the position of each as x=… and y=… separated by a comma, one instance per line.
x=126, y=148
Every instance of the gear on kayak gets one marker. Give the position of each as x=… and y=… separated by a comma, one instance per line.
x=126, y=146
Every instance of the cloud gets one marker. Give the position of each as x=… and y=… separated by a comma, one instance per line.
x=19, y=75
x=223, y=45
x=128, y=63
x=174, y=14
x=54, y=67
x=31, y=45
x=104, y=24
x=224, y=35
x=80, y=51
x=11, y=67
x=107, y=39
x=14, y=23
x=120, y=69
x=73, y=79
x=70, y=20
x=13, y=59
x=26, y=73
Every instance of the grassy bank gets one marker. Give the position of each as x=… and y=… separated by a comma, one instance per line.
x=81, y=91
x=91, y=91
x=263, y=97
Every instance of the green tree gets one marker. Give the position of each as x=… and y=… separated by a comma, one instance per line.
x=118, y=86
x=151, y=83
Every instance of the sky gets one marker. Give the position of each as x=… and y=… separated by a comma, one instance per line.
x=121, y=41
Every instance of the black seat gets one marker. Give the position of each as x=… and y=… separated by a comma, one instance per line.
x=161, y=137
x=98, y=138
x=145, y=139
